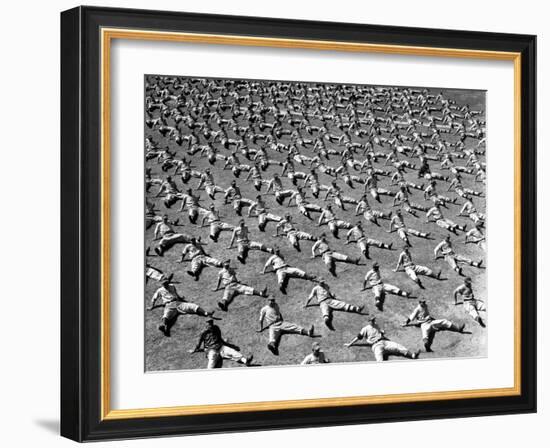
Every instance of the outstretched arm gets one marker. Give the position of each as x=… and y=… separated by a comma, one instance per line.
x=233, y=235
x=198, y=347
x=354, y=340
x=218, y=283
x=183, y=204
x=311, y=296
x=267, y=264
x=399, y=263
x=262, y=316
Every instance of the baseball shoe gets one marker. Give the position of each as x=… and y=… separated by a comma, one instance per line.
x=159, y=252
x=222, y=306
x=311, y=331
x=360, y=310
x=415, y=354
x=249, y=360
x=273, y=349
x=164, y=329
x=328, y=323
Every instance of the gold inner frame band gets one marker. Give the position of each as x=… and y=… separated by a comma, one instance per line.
x=107, y=35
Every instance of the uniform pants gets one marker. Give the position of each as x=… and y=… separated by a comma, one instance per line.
x=473, y=307
x=329, y=305
x=414, y=270
x=454, y=259
x=278, y=329
x=217, y=227
x=283, y=274
x=200, y=261
x=216, y=356
x=235, y=289
x=383, y=349
x=172, y=309
x=172, y=239
x=429, y=328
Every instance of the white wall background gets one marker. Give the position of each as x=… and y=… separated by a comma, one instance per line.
x=29, y=182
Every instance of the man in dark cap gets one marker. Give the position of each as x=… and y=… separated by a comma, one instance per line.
x=379, y=288
x=421, y=317
x=217, y=348
x=317, y=356
x=380, y=345
x=471, y=305
x=272, y=319
x=174, y=304
x=328, y=303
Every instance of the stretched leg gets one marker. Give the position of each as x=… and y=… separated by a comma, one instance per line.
x=234, y=355
x=341, y=258
x=242, y=249
x=463, y=259
x=423, y=270
x=403, y=235
x=326, y=312
x=395, y=290
x=197, y=266
x=379, y=297
x=428, y=333
x=452, y=262
x=418, y=233
x=395, y=349
x=379, y=244
x=411, y=272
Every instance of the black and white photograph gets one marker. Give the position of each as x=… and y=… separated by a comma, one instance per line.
x=296, y=223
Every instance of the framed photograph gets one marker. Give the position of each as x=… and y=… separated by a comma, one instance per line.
x=277, y=224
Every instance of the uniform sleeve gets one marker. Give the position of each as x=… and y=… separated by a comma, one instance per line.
x=156, y=295
x=414, y=314
x=314, y=247
x=400, y=259
x=157, y=229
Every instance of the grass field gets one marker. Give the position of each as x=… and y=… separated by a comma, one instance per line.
x=239, y=324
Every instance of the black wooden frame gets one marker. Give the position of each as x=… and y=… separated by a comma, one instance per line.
x=81, y=223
